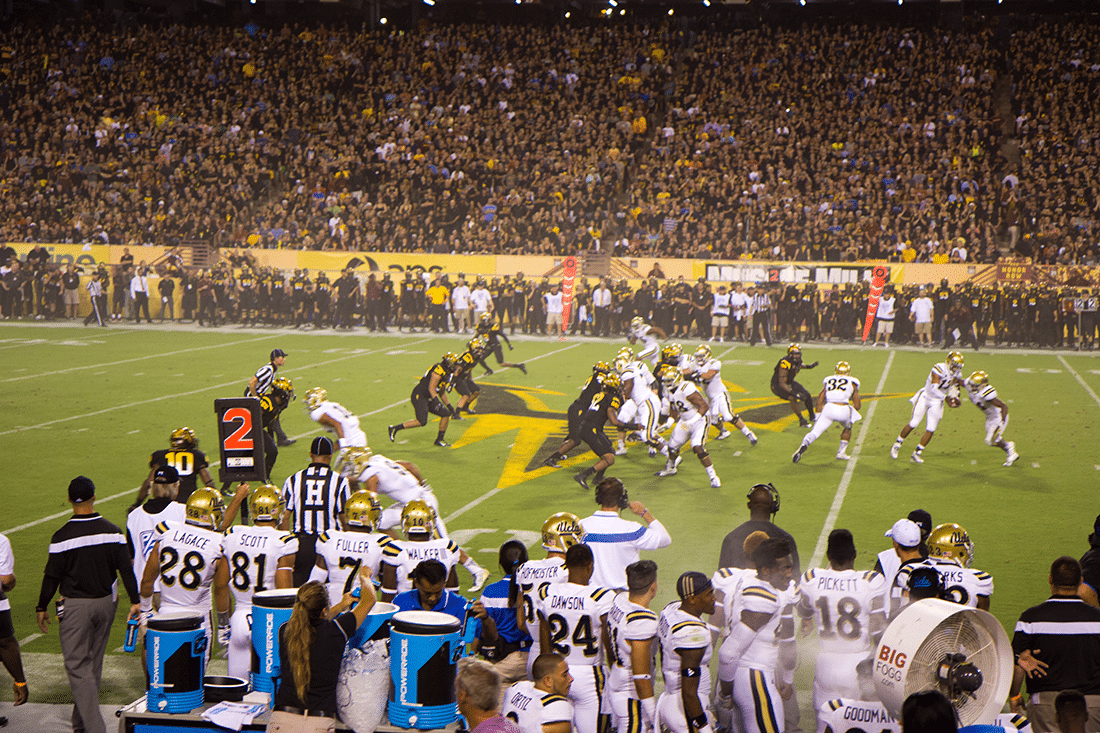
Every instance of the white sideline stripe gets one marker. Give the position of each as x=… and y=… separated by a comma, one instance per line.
x=98, y=335
x=1080, y=381
x=121, y=494
x=29, y=639
x=846, y=479
x=459, y=512
x=136, y=358
x=186, y=394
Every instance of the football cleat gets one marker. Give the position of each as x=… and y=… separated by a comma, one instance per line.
x=951, y=542
x=551, y=461
x=362, y=511
x=522, y=367
x=581, y=479
x=441, y=443
x=392, y=429
x=666, y=471
x=314, y=397
x=1013, y=456
x=205, y=508
x=265, y=504
x=561, y=531
x=621, y=450
x=752, y=438
x=895, y=450
x=183, y=438
x=418, y=517
x=652, y=451
x=843, y=368
x=715, y=483
x=723, y=434
x=481, y=576
x=798, y=453
x=915, y=458
x=803, y=422
x=842, y=456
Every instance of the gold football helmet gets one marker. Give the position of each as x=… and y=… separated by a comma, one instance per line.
x=671, y=354
x=955, y=362
x=977, y=379
x=450, y=361
x=637, y=322
x=670, y=376
x=418, y=517
x=362, y=511
x=183, y=438
x=352, y=462
x=205, y=508
x=626, y=353
x=951, y=542
x=478, y=343
x=612, y=381
x=843, y=367
x=265, y=504
x=283, y=388
x=600, y=368
x=561, y=531
x=794, y=351
x=315, y=396
x=702, y=354
x=486, y=318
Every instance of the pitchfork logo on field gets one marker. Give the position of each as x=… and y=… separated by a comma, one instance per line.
x=506, y=408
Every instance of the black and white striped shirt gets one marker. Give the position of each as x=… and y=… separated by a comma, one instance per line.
x=265, y=375
x=315, y=496
x=761, y=303
x=87, y=555
x=1066, y=631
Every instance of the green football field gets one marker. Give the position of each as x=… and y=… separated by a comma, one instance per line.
x=99, y=401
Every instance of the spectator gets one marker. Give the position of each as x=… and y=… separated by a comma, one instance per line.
x=928, y=712
x=477, y=690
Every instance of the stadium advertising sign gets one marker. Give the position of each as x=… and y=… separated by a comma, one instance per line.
x=240, y=439
x=775, y=272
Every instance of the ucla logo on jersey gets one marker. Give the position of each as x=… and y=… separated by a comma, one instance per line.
x=147, y=542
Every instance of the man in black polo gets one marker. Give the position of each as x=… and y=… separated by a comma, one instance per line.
x=1090, y=568
x=1057, y=647
x=87, y=555
x=763, y=504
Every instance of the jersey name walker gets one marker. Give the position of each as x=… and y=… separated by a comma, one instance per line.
x=405, y=555
x=253, y=553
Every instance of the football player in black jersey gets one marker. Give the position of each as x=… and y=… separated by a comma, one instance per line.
x=493, y=332
x=785, y=387
x=184, y=456
x=430, y=395
x=463, y=378
x=576, y=410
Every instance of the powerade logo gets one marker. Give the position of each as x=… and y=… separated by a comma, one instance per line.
x=404, y=671
x=269, y=644
x=155, y=681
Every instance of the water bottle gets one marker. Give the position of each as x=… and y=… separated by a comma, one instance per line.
x=131, y=636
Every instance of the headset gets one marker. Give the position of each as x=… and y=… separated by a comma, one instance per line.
x=771, y=490
x=624, y=498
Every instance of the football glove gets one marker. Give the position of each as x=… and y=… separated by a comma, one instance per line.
x=811, y=366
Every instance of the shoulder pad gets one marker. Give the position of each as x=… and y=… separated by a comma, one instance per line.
x=453, y=546
x=162, y=527
x=641, y=615
x=835, y=705
x=725, y=572
x=391, y=550
x=543, y=590
x=808, y=576
x=784, y=363
x=323, y=537
x=599, y=593
x=551, y=699
x=758, y=592
x=686, y=624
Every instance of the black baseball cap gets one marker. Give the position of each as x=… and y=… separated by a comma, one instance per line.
x=320, y=447
x=691, y=583
x=81, y=489
x=277, y=353
x=923, y=520
x=165, y=475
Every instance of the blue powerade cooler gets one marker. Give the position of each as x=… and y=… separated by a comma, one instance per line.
x=424, y=649
x=175, y=655
x=270, y=610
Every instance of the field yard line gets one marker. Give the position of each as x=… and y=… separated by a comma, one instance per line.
x=29, y=639
x=97, y=334
x=137, y=358
x=846, y=479
x=1080, y=381
x=499, y=370
x=462, y=510
x=240, y=381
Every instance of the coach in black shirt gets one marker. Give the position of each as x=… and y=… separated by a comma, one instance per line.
x=1057, y=645
x=87, y=555
x=763, y=504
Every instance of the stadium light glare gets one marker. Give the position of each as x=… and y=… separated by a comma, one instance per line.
x=802, y=3
x=429, y=2
x=383, y=21
x=706, y=3
x=622, y=11
x=670, y=11
x=567, y=14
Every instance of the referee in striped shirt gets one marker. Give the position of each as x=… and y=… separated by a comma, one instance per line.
x=259, y=385
x=315, y=498
x=98, y=296
x=761, y=315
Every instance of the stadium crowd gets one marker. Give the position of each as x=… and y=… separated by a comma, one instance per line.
x=817, y=143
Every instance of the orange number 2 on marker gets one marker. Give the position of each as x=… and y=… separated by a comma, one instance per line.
x=239, y=440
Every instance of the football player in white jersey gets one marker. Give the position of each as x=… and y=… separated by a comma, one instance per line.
x=335, y=418
x=633, y=633
x=559, y=532
x=950, y=552
x=686, y=641
x=688, y=407
x=845, y=606
x=984, y=397
x=760, y=647
x=705, y=370
x=541, y=706
x=861, y=712
x=839, y=402
x=573, y=622
x=341, y=553
x=942, y=384
x=400, y=557
x=187, y=556
x=260, y=557
x=641, y=406
x=647, y=334
x=141, y=523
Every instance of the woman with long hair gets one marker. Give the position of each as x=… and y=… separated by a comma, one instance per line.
x=311, y=645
